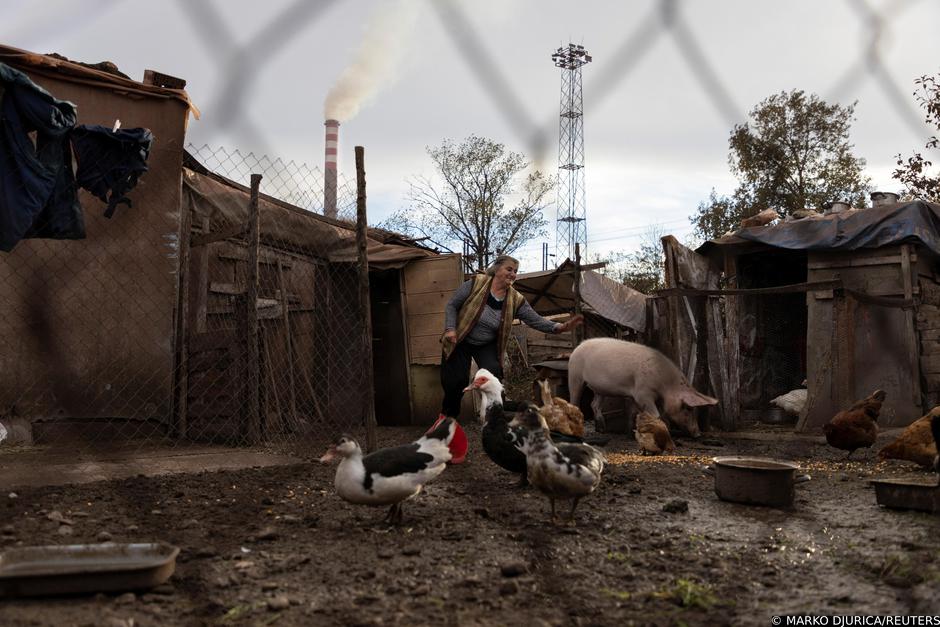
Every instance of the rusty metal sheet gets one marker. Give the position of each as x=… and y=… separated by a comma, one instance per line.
x=226, y=205
x=552, y=292
x=916, y=222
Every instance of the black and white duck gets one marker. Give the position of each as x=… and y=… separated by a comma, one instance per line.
x=391, y=475
x=567, y=471
x=499, y=440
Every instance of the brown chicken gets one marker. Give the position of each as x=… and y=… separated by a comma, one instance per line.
x=916, y=443
x=763, y=218
x=856, y=427
x=652, y=434
x=560, y=415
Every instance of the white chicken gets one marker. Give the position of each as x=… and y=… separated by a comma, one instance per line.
x=792, y=402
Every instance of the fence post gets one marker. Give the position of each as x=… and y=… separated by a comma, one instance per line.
x=252, y=374
x=364, y=302
x=578, y=332
x=288, y=344
x=181, y=409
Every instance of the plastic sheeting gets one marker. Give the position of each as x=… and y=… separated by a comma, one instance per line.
x=915, y=222
x=552, y=292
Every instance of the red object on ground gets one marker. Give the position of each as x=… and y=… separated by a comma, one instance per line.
x=458, y=444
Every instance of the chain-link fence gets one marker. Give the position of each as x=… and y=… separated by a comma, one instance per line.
x=295, y=183
x=183, y=308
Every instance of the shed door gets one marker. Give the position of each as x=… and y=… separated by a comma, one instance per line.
x=427, y=285
x=856, y=345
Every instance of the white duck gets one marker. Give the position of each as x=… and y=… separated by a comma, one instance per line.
x=389, y=476
x=571, y=471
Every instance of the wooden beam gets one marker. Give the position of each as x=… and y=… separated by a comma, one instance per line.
x=909, y=322
x=285, y=318
x=578, y=333
x=200, y=282
x=888, y=260
x=252, y=406
x=207, y=238
x=780, y=289
x=181, y=396
x=368, y=397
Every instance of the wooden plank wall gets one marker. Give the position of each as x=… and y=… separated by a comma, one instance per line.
x=854, y=348
x=427, y=285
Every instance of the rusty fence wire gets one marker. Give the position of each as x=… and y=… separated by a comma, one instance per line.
x=298, y=184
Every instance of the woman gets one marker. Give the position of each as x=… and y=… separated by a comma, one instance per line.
x=478, y=321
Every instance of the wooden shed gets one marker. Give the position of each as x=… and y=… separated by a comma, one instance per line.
x=87, y=325
x=137, y=329
x=846, y=301
x=312, y=363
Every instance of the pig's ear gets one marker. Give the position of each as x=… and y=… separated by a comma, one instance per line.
x=692, y=398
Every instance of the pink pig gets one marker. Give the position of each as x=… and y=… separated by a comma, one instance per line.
x=616, y=368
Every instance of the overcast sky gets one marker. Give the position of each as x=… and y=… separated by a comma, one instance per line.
x=667, y=83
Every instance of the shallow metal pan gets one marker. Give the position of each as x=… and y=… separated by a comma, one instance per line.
x=77, y=568
x=900, y=494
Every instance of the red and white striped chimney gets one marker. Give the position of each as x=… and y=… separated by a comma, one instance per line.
x=329, y=168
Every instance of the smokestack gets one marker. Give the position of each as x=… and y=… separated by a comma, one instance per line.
x=329, y=168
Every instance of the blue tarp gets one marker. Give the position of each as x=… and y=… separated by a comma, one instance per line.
x=915, y=222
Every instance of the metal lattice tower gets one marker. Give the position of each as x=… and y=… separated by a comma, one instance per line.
x=572, y=221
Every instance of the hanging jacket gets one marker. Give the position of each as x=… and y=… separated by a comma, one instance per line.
x=110, y=162
x=37, y=187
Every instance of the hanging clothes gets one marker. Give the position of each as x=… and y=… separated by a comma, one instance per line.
x=110, y=162
x=37, y=187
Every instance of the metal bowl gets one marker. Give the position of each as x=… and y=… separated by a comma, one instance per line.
x=755, y=480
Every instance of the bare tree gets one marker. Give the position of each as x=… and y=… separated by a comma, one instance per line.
x=478, y=201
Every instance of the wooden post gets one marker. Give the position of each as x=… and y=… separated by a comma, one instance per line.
x=285, y=316
x=578, y=333
x=200, y=281
x=181, y=408
x=732, y=347
x=252, y=406
x=910, y=327
x=368, y=399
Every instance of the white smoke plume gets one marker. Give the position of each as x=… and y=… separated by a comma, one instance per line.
x=385, y=39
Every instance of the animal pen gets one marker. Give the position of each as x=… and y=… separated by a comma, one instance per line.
x=846, y=301
x=204, y=312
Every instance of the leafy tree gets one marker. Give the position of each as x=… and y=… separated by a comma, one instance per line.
x=479, y=200
x=913, y=172
x=793, y=153
x=643, y=269
x=718, y=215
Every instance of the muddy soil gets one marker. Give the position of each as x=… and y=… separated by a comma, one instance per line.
x=277, y=546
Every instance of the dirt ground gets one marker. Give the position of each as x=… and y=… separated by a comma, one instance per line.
x=276, y=546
